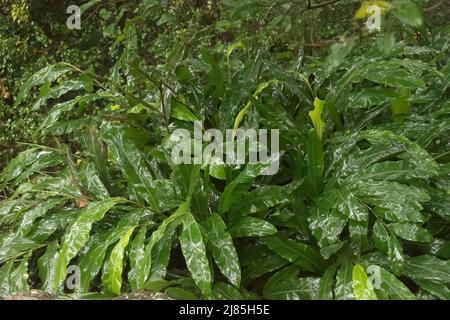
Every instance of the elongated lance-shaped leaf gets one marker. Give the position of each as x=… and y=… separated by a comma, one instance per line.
x=93, y=256
x=296, y=252
x=286, y=285
x=133, y=165
x=315, y=162
x=194, y=252
x=31, y=215
x=27, y=163
x=234, y=190
x=326, y=286
x=47, y=74
x=252, y=227
x=344, y=281
x=143, y=266
x=261, y=199
x=112, y=270
x=161, y=256
x=18, y=279
x=224, y=252
x=246, y=108
x=94, y=146
x=76, y=236
x=56, y=92
x=136, y=255
x=5, y=274
x=391, y=285
x=46, y=265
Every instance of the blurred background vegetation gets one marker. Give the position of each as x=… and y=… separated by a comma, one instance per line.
x=34, y=34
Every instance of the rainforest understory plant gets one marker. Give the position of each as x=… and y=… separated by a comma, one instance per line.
x=360, y=205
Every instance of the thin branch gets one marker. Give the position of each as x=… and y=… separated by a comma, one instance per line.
x=327, y=42
x=434, y=6
x=320, y=5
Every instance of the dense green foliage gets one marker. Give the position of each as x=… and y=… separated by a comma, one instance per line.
x=363, y=188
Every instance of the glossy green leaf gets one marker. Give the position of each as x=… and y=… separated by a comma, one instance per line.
x=96, y=151
x=358, y=234
x=260, y=199
x=112, y=270
x=315, y=162
x=14, y=278
x=427, y=267
x=90, y=181
x=233, y=191
x=194, y=252
x=56, y=92
x=29, y=162
x=222, y=247
x=183, y=73
x=77, y=235
x=224, y=291
x=136, y=254
x=257, y=260
x=411, y=232
x=46, y=265
x=326, y=226
x=161, y=256
x=47, y=74
x=326, y=286
x=395, y=254
x=380, y=237
x=38, y=211
x=144, y=266
x=5, y=274
x=392, y=286
x=252, y=227
x=94, y=255
x=296, y=252
x=286, y=285
x=344, y=281
x=181, y=112
x=392, y=74
x=435, y=288
x=351, y=206
x=368, y=97
x=132, y=164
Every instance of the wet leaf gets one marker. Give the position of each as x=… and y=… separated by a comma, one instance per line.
x=76, y=236
x=194, y=252
x=362, y=288
x=411, y=232
x=298, y=253
x=223, y=250
x=112, y=270
x=286, y=285
x=252, y=227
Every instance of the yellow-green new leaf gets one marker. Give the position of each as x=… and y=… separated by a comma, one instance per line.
x=112, y=271
x=316, y=117
x=362, y=288
x=246, y=109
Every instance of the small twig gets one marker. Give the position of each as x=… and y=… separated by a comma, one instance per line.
x=320, y=5
x=436, y=5
x=328, y=42
x=441, y=155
